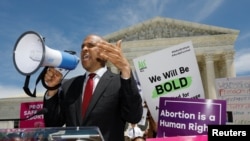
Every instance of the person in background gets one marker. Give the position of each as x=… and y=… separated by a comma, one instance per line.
x=151, y=132
x=134, y=131
x=115, y=99
x=127, y=138
x=139, y=138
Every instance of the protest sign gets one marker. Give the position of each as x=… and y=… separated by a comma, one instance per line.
x=181, y=138
x=236, y=91
x=186, y=116
x=28, y=109
x=171, y=72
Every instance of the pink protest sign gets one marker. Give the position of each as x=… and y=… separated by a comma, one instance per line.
x=27, y=110
x=181, y=138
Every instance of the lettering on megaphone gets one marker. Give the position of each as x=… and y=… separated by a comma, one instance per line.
x=30, y=53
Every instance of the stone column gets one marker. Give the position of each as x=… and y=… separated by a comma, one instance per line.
x=229, y=61
x=202, y=68
x=211, y=89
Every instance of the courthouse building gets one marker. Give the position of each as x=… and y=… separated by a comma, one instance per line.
x=214, y=49
x=214, y=46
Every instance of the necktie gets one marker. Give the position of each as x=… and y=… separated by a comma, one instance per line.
x=87, y=93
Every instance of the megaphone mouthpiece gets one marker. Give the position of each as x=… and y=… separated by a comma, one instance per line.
x=60, y=59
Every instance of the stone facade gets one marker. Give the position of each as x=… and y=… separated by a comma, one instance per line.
x=10, y=108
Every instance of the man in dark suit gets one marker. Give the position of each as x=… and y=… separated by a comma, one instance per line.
x=115, y=100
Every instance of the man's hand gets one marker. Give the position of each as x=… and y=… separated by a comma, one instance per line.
x=114, y=54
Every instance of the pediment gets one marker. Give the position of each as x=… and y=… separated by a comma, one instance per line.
x=159, y=27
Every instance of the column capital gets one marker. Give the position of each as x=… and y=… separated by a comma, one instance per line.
x=208, y=57
x=228, y=55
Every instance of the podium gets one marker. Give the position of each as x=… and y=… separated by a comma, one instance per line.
x=52, y=134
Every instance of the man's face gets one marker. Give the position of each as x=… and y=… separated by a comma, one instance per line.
x=90, y=53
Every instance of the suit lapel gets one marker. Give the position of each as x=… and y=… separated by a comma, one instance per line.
x=79, y=100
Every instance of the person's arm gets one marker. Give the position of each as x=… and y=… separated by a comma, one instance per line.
x=131, y=101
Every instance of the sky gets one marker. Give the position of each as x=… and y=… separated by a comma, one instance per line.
x=64, y=24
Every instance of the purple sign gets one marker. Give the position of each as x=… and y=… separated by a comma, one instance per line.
x=186, y=116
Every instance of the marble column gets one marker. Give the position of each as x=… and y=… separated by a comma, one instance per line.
x=210, y=76
x=229, y=61
x=202, y=68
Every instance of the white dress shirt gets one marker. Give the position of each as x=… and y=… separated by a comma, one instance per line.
x=133, y=132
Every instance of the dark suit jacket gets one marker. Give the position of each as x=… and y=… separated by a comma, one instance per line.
x=115, y=101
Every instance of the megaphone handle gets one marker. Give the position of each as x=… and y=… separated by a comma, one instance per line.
x=26, y=87
x=41, y=76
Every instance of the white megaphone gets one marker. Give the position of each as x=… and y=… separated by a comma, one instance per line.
x=30, y=53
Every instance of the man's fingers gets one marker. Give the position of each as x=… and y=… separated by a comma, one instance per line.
x=118, y=43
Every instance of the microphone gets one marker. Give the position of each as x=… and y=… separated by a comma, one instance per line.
x=40, y=112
